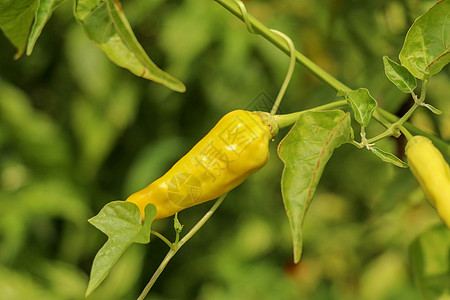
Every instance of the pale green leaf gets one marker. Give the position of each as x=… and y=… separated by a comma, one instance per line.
x=362, y=104
x=305, y=151
x=43, y=14
x=129, y=39
x=399, y=75
x=16, y=17
x=107, y=26
x=121, y=221
x=426, y=49
x=430, y=257
x=388, y=157
x=433, y=109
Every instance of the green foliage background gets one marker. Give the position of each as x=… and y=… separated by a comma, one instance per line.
x=77, y=132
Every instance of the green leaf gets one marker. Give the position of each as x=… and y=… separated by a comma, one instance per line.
x=305, y=151
x=430, y=257
x=433, y=109
x=107, y=26
x=16, y=17
x=43, y=14
x=426, y=49
x=362, y=104
x=388, y=157
x=126, y=33
x=121, y=221
x=399, y=75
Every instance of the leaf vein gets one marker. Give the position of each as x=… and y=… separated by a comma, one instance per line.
x=316, y=167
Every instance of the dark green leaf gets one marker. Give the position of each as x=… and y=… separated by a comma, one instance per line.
x=388, y=157
x=362, y=104
x=399, y=75
x=305, y=151
x=430, y=256
x=121, y=221
x=107, y=26
x=43, y=14
x=16, y=17
x=426, y=49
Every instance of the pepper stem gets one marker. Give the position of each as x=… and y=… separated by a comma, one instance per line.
x=283, y=121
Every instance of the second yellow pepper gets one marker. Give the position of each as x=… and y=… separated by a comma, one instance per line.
x=433, y=173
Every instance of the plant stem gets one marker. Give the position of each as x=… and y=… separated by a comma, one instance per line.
x=399, y=123
x=423, y=92
x=157, y=273
x=406, y=133
x=406, y=116
x=163, y=238
x=280, y=43
x=440, y=144
x=395, y=126
x=356, y=144
x=178, y=245
x=289, y=119
x=379, y=118
x=386, y=133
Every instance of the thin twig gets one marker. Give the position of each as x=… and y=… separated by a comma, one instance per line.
x=280, y=43
x=178, y=245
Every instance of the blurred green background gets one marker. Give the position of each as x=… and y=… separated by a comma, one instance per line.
x=77, y=132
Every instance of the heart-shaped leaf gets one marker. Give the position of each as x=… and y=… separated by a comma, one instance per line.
x=305, y=151
x=362, y=104
x=426, y=49
x=121, y=221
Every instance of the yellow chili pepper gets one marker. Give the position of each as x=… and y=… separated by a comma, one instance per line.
x=433, y=173
x=234, y=149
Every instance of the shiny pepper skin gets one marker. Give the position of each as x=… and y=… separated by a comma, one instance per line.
x=433, y=173
x=234, y=149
